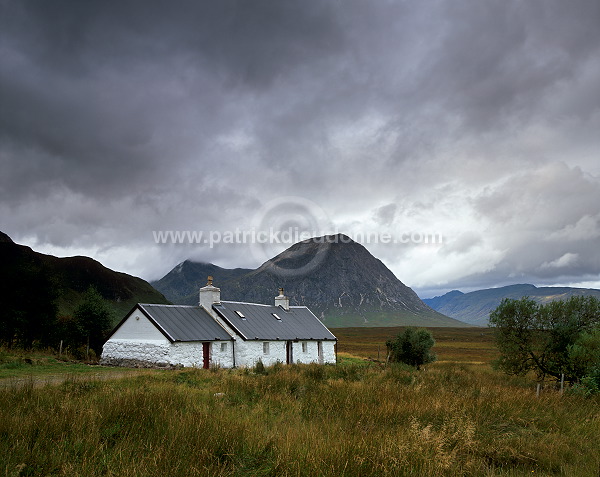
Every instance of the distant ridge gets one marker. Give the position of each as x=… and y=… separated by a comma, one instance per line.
x=181, y=284
x=337, y=278
x=475, y=307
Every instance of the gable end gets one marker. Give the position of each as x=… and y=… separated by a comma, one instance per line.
x=146, y=315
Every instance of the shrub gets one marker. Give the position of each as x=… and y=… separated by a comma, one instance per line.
x=413, y=347
x=259, y=368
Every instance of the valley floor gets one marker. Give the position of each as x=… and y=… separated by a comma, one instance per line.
x=475, y=345
x=456, y=417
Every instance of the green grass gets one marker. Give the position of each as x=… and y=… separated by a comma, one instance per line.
x=42, y=364
x=350, y=419
x=17, y=369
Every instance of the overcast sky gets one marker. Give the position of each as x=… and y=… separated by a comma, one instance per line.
x=474, y=120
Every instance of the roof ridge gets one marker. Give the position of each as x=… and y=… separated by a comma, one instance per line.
x=243, y=303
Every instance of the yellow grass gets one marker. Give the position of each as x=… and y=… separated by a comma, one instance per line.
x=356, y=418
x=452, y=344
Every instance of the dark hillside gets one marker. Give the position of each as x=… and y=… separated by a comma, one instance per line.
x=68, y=278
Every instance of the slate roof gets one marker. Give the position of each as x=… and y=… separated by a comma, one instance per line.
x=184, y=323
x=259, y=323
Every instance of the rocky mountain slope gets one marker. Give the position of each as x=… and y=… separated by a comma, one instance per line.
x=475, y=307
x=337, y=278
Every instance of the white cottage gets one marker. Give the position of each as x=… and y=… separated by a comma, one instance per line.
x=222, y=333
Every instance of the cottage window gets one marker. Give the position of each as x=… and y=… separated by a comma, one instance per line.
x=276, y=316
x=240, y=314
x=223, y=347
x=266, y=347
x=304, y=346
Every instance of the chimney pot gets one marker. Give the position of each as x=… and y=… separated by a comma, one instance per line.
x=209, y=295
x=282, y=300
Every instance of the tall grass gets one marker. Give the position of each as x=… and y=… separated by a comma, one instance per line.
x=349, y=419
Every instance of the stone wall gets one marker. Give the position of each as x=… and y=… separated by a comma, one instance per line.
x=156, y=353
x=120, y=352
x=149, y=353
x=248, y=353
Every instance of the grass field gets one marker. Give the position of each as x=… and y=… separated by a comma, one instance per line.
x=457, y=417
x=475, y=345
x=47, y=366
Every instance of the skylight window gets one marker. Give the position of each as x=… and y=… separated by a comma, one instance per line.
x=275, y=315
x=240, y=314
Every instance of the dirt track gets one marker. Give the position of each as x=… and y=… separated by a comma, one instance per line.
x=53, y=379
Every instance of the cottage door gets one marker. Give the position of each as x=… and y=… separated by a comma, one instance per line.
x=206, y=355
x=320, y=351
x=288, y=352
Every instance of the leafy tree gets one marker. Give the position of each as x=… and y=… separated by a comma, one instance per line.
x=541, y=338
x=92, y=321
x=585, y=352
x=412, y=346
x=585, y=356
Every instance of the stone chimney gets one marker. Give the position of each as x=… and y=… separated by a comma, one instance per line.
x=282, y=300
x=209, y=295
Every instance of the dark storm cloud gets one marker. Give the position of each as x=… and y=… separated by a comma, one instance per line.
x=100, y=92
x=480, y=119
x=252, y=42
x=498, y=58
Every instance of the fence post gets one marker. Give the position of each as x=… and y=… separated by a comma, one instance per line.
x=562, y=383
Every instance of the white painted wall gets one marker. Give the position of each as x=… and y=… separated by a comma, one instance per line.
x=146, y=351
x=190, y=354
x=329, y=352
x=219, y=357
x=310, y=356
x=312, y=352
x=137, y=327
x=248, y=353
x=187, y=354
x=138, y=339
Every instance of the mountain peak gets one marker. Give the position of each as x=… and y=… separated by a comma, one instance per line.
x=5, y=238
x=309, y=255
x=336, y=277
x=338, y=239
